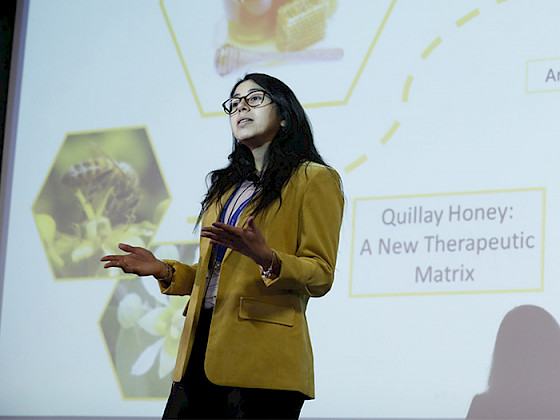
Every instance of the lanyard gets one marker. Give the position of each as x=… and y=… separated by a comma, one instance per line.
x=232, y=221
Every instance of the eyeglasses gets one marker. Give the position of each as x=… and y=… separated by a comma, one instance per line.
x=253, y=99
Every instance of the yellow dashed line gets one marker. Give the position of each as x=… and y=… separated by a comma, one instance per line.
x=323, y=104
x=406, y=88
x=355, y=164
x=192, y=219
x=390, y=133
x=467, y=17
x=431, y=47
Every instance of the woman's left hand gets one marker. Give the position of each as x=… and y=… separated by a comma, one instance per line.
x=248, y=240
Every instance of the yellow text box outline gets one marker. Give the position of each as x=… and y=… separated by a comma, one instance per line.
x=527, y=76
x=469, y=292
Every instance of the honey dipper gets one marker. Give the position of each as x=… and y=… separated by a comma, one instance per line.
x=229, y=58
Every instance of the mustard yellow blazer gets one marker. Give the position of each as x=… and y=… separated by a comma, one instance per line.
x=259, y=336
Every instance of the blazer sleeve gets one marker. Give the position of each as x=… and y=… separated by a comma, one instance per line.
x=182, y=281
x=311, y=269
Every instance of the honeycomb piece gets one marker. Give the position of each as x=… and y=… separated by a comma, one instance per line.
x=301, y=23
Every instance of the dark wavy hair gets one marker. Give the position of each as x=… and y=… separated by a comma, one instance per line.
x=291, y=147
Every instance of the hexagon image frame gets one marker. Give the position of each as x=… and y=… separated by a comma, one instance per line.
x=94, y=196
x=141, y=328
x=340, y=101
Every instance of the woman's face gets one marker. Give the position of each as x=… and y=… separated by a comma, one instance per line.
x=256, y=126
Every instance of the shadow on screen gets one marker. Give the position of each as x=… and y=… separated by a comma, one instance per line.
x=524, y=380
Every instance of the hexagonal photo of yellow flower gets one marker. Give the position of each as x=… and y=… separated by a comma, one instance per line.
x=104, y=187
x=141, y=328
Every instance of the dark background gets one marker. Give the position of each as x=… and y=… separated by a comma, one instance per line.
x=7, y=17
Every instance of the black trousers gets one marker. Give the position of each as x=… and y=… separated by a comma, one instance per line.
x=195, y=397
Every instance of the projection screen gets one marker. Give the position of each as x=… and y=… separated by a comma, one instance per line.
x=441, y=117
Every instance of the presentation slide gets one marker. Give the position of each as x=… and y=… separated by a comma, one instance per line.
x=441, y=117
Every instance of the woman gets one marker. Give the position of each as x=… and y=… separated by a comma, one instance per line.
x=269, y=240
x=524, y=380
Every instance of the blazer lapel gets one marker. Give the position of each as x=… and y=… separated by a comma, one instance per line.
x=242, y=222
x=212, y=215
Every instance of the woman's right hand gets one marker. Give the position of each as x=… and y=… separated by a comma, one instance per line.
x=139, y=261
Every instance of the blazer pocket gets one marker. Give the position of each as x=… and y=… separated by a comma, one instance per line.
x=257, y=310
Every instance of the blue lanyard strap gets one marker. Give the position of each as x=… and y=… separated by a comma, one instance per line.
x=232, y=221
